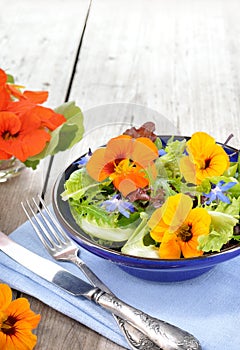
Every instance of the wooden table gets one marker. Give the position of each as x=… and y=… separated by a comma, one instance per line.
x=178, y=57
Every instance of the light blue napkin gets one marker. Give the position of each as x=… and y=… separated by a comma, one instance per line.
x=207, y=306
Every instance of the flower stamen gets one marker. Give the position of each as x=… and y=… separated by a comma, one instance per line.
x=185, y=233
x=7, y=326
x=123, y=167
x=6, y=135
x=17, y=321
x=207, y=163
x=126, y=162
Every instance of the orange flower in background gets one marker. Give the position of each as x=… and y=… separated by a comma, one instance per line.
x=4, y=95
x=24, y=125
x=21, y=137
x=177, y=227
x=125, y=161
x=205, y=159
x=17, y=321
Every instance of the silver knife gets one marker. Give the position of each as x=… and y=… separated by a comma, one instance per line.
x=165, y=335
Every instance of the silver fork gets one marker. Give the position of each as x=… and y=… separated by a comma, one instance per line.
x=62, y=248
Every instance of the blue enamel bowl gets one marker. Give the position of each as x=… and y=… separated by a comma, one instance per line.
x=162, y=270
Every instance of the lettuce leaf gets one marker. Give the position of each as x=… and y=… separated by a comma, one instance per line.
x=168, y=164
x=231, y=209
x=221, y=231
x=98, y=223
x=85, y=195
x=135, y=244
x=78, y=184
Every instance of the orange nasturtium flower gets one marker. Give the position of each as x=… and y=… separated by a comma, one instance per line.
x=177, y=227
x=125, y=161
x=24, y=125
x=205, y=159
x=17, y=321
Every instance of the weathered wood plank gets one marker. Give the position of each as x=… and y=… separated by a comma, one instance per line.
x=39, y=42
x=29, y=183
x=57, y=331
x=172, y=57
x=178, y=57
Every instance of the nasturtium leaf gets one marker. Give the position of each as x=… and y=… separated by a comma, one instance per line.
x=63, y=137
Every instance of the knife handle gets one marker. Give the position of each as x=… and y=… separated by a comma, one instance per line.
x=136, y=339
x=165, y=335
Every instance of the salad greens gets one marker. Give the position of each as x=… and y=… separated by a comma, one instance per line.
x=142, y=222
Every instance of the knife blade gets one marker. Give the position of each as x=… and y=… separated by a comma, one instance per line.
x=165, y=335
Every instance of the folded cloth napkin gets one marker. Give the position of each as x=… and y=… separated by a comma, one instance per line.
x=207, y=306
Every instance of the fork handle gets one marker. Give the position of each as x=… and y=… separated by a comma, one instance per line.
x=136, y=339
x=94, y=279
x=165, y=335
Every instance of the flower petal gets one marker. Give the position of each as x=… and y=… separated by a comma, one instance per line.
x=48, y=117
x=20, y=310
x=36, y=97
x=97, y=167
x=227, y=186
x=177, y=209
x=144, y=151
x=9, y=124
x=199, y=220
x=189, y=249
x=119, y=148
x=3, y=78
x=223, y=198
x=15, y=91
x=22, y=339
x=205, y=159
x=5, y=296
x=188, y=169
x=170, y=249
x=170, y=216
x=129, y=180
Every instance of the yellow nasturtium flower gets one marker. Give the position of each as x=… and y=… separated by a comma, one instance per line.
x=17, y=321
x=205, y=159
x=177, y=227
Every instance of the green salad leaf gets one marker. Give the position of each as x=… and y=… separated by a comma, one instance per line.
x=85, y=196
x=136, y=245
x=168, y=164
x=221, y=231
x=120, y=221
x=78, y=184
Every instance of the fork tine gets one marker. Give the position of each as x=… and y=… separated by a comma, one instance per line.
x=36, y=228
x=49, y=225
x=63, y=234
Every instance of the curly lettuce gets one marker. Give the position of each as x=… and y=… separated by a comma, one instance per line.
x=84, y=196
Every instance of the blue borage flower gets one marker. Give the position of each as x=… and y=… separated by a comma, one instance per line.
x=116, y=203
x=83, y=160
x=161, y=152
x=217, y=192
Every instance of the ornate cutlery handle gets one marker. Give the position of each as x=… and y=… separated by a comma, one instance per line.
x=136, y=339
x=165, y=335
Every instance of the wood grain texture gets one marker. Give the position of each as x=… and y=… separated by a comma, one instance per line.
x=175, y=58
x=39, y=42
x=58, y=332
x=28, y=184
x=179, y=57
x=38, y=46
